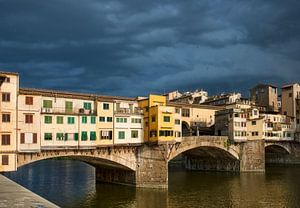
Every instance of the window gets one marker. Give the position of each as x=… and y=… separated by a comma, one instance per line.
x=84, y=119
x=177, y=110
x=102, y=119
x=29, y=119
x=298, y=121
x=5, y=97
x=28, y=100
x=28, y=138
x=4, y=159
x=109, y=119
x=255, y=112
x=76, y=136
x=48, y=119
x=5, y=117
x=134, y=134
x=153, y=133
x=136, y=120
x=71, y=120
x=167, y=119
x=84, y=136
x=290, y=94
x=121, y=120
x=5, y=139
x=185, y=112
x=166, y=133
x=105, y=106
x=106, y=135
x=7, y=80
x=59, y=120
x=92, y=135
x=47, y=103
x=121, y=135
x=253, y=123
x=177, y=121
x=69, y=106
x=93, y=119
x=59, y=136
x=153, y=118
x=48, y=136
x=87, y=106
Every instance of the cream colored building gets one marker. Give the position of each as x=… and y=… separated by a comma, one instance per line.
x=128, y=119
x=67, y=120
x=278, y=127
x=9, y=86
x=29, y=122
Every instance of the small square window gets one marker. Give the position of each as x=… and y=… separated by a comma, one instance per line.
x=105, y=106
x=6, y=97
x=5, y=118
x=28, y=100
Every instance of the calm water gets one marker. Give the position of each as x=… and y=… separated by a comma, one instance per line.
x=71, y=184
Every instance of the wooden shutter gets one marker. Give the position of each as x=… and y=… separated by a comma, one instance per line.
x=22, y=138
x=4, y=159
x=34, y=139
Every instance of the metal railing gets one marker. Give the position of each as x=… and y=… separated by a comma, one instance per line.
x=68, y=111
x=137, y=111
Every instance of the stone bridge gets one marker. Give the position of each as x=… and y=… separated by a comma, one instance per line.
x=147, y=165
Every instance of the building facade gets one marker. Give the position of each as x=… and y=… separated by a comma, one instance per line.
x=9, y=87
x=266, y=96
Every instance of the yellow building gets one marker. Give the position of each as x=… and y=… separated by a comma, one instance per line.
x=105, y=124
x=159, y=122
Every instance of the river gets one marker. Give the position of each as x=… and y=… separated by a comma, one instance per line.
x=70, y=183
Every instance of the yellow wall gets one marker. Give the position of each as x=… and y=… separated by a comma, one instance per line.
x=255, y=128
x=155, y=106
x=104, y=126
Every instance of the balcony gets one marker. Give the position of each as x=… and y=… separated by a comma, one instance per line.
x=74, y=111
x=128, y=111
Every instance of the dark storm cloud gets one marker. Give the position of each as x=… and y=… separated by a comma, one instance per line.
x=137, y=47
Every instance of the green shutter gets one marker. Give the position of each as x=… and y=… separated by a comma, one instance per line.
x=69, y=107
x=93, y=119
x=87, y=106
x=59, y=120
x=71, y=120
x=48, y=119
x=121, y=135
x=48, y=136
x=84, y=136
x=84, y=119
x=92, y=135
x=66, y=136
x=59, y=136
x=47, y=103
x=76, y=136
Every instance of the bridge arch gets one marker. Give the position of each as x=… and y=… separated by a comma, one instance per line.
x=107, y=158
x=277, y=148
x=222, y=146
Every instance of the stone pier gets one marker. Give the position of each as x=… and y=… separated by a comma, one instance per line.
x=252, y=156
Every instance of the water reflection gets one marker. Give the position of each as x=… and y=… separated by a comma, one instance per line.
x=72, y=184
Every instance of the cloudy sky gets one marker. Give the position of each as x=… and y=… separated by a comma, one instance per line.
x=138, y=47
